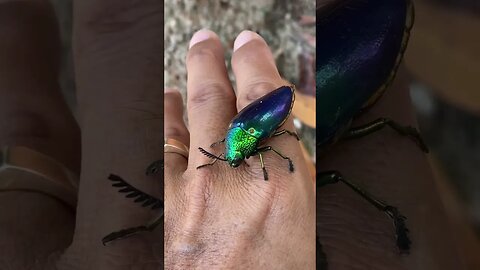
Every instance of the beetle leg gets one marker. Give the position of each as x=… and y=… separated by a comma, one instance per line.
x=134, y=193
x=155, y=167
x=320, y=255
x=211, y=162
x=269, y=148
x=403, y=242
x=380, y=123
x=217, y=143
x=132, y=231
x=283, y=131
x=265, y=174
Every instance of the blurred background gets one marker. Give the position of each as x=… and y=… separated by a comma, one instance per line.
x=287, y=26
x=442, y=58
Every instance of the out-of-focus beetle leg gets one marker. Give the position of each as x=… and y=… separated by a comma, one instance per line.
x=403, y=242
x=132, y=231
x=320, y=255
x=155, y=167
x=269, y=148
x=217, y=143
x=132, y=192
x=283, y=131
x=380, y=123
x=211, y=162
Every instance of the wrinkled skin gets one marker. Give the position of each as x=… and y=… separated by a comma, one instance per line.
x=119, y=90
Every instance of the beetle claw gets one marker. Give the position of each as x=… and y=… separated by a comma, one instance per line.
x=290, y=166
x=401, y=230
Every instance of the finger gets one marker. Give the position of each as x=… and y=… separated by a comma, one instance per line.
x=120, y=95
x=211, y=100
x=257, y=75
x=175, y=128
x=33, y=112
x=254, y=68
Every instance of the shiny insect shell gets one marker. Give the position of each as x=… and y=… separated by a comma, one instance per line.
x=253, y=125
x=360, y=45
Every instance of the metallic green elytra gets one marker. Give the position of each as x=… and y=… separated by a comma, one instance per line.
x=253, y=125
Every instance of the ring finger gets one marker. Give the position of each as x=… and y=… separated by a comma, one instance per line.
x=174, y=128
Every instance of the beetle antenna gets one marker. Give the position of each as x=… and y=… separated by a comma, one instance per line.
x=210, y=155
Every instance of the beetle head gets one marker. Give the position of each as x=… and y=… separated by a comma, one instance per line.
x=236, y=159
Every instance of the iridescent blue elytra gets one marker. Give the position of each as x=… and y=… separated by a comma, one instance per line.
x=359, y=47
x=253, y=125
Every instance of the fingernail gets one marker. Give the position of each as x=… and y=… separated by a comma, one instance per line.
x=245, y=37
x=199, y=36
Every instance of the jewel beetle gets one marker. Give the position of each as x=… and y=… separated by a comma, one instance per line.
x=360, y=45
x=253, y=126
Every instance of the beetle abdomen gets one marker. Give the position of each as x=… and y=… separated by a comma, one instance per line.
x=358, y=45
x=263, y=116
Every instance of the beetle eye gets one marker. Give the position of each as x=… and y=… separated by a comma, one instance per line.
x=251, y=130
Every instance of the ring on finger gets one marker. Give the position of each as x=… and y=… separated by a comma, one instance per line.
x=175, y=146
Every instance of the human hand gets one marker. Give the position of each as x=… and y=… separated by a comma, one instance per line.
x=353, y=233
x=119, y=68
x=230, y=218
x=120, y=109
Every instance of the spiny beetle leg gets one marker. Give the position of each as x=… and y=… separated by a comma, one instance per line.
x=155, y=167
x=132, y=231
x=217, y=143
x=403, y=242
x=380, y=123
x=283, y=131
x=320, y=255
x=265, y=174
x=211, y=162
x=269, y=148
x=134, y=193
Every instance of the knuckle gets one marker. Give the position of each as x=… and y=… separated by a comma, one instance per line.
x=207, y=174
x=107, y=16
x=256, y=89
x=208, y=92
x=104, y=29
x=140, y=109
x=176, y=131
x=26, y=125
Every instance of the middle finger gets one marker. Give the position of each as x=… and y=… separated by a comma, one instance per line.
x=210, y=98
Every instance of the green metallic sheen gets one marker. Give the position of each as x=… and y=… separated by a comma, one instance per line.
x=257, y=122
x=253, y=126
x=239, y=145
